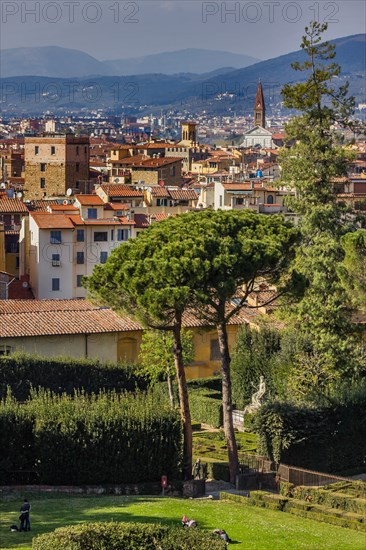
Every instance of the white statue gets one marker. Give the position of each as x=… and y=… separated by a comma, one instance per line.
x=256, y=397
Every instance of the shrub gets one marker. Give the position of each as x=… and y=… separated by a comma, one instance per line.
x=206, y=407
x=217, y=470
x=328, y=438
x=23, y=372
x=107, y=438
x=129, y=536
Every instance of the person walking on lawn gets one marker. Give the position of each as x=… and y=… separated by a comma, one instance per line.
x=24, y=516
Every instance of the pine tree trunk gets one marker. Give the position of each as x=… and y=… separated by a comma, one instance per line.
x=170, y=390
x=183, y=398
x=227, y=402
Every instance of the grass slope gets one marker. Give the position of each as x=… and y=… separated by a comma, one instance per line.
x=250, y=528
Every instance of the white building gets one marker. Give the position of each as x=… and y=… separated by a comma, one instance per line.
x=68, y=241
x=258, y=136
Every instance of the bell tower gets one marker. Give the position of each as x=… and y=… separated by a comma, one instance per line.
x=259, y=108
x=189, y=133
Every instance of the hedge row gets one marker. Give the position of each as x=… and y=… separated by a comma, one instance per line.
x=324, y=497
x=83, y=439
x=22, y=372
x=129, y=536
x=330, y=438
x=205, y=401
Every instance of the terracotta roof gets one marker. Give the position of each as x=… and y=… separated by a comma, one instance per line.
x=141, y=221
x=63, y=207
x=161, y=217
x=21, y=318
x=12, y=205
x=45, y=220
x=183, y=194
x=89, y=200
x=40, y=205
x=140, y=161
x=158, y=191
x=119, y=190
x=116, y=206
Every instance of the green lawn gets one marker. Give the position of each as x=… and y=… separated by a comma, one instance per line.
x=249, y=527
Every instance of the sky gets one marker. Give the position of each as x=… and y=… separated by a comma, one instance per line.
x=113, y=29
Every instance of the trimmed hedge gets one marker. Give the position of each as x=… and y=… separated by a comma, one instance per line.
x=23, y=372
x=216, y=470
x=205, y=401
x=328, y=438
x=326, y=497
x=107, y=438
x=129, y=536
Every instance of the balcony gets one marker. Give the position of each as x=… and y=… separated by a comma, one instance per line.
x=270, y=208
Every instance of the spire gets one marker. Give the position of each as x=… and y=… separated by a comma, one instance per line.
x=259, y=107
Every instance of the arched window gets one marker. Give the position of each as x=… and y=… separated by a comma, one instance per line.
x=270, y=199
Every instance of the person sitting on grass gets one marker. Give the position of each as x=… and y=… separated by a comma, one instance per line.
x=188, y=522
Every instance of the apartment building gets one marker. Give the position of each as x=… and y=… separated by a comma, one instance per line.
x=69, y=240
x=54, y=164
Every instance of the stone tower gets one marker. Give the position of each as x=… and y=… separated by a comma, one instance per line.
x=259, y=108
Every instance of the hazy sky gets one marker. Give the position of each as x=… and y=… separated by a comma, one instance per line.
x=111, y=29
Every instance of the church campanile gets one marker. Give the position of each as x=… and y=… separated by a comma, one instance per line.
x=259, y=108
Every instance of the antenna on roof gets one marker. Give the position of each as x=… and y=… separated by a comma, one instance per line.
x=19, y=195
x=3, y=185
x=69, y=192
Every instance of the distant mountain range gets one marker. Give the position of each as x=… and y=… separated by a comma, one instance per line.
x=217, y=91
x=54, y=61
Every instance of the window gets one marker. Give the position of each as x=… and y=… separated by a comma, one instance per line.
x=43, y=183
x=100, y=236
x=214, y=350
x=77, y=184
x=103, y=257
x=56, y=260
x=80, y=235
x=85, y=149
x=80, y=257
x=43, y=166
x=77, y=149
x=55, y=237
x=161, y=202
x=270, y=199
x=53, y=150
x=36, y=150
x=122, y=234
x=77, y=166
x=92, y=213
x=220, y=200
x=79, y=279
x=112, y=234
x=55, y=284
x=6, y=350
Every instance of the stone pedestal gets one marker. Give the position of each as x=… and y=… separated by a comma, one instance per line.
x=194, y=488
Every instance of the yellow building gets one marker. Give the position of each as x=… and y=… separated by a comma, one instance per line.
x=75, y=328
